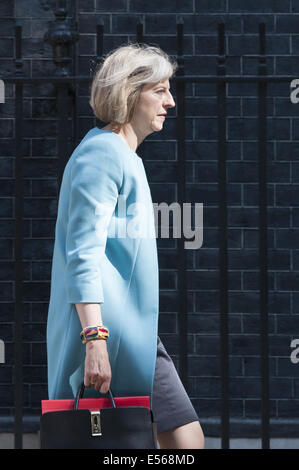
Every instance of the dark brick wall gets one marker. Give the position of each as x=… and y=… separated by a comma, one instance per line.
x=160, y=153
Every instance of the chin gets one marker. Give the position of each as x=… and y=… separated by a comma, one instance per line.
x=159, y=127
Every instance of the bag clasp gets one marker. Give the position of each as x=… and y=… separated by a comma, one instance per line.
x=95, y=423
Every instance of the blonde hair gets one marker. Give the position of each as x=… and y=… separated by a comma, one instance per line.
x=120, y=77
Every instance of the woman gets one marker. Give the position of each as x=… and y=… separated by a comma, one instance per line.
x=104, y=269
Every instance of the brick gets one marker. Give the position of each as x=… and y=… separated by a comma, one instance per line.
x=250, y=106
x=205, y=387
x=206, y=44
x=260, y=6
x=7, y=395
x=207, y=345
x=296, y=388
x=281, y=388
x=287, y=408
x=251, y=238
x=35, y=8
x=201, y=23
x=206, y=407
x=252, y=366
x=142, y=6
x=8, y=111
x=6, y=48
x=286, y=368
x=38, y=249
x=6, y=128
x=167, y=323
x=244, y=388
x=295, y=172
x=203, y=366
x=159, y=171
x=250, y=22
x=250, y=65
x=241, y=45
x=287, y=238
x=87, y=45
x=253, y=408
x=206, y=258
x=6, y=8
x=43, y=228
x=251, y=195
x=124, y=24
x=205, y=302
x=87, y=24
x=210, y=323
x=86, y=5
x=286, y=65
x=163, y=23
x=34, y=374
x=287, y=151
x=45, y=187
x=38, y=28
x=251, y=281
x=295, y=131
x=38, y=392
x=240, y=217
x=106, y=5
x=34, y=333
x=167, y=280
x=36, y=207
x=168, y=301
x=211, y=6
x=287, y=23
x=251, y=323
x=287, y=324
x=41, y=270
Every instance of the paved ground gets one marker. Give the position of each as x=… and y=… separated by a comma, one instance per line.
x=31, y=441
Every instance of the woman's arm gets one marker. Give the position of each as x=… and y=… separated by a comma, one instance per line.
x=89, y=314
x=97, y=371
x=95, y=182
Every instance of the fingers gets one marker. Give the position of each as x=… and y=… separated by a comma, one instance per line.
x=97, y=373
x=99, y=382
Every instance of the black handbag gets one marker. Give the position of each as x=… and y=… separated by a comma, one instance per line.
x=122, y=427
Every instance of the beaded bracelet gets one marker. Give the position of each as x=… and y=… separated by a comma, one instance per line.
x=94, y=332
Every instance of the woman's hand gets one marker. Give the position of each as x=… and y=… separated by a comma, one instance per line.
x=97, y=371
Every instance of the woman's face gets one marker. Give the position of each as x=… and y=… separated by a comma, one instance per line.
x=154, y=101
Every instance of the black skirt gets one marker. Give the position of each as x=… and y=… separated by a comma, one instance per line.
x=171, y=405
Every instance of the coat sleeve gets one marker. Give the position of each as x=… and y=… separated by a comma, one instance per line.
x=96, y=179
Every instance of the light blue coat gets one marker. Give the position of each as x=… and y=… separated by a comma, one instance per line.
x=99, y=258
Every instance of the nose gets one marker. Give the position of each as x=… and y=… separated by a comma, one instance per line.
x=169, y=102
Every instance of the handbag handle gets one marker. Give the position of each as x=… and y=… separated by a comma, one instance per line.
x=80, y=393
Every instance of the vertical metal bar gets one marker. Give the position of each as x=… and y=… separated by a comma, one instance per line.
x=62, y=109
x=182, y=258
x=74, y=86
x=139, y=31
x=263, y=242
x=61, y=38
x=19, y=197
x=100, y=41
x=223, y=275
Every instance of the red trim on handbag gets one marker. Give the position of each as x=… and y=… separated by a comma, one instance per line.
x=94, y=404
